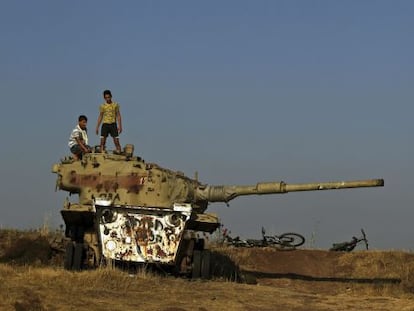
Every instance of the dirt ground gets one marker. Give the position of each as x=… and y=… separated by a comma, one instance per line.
x=320, y=268
x=244, y=279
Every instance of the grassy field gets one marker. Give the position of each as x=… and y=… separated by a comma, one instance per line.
x=32, y=279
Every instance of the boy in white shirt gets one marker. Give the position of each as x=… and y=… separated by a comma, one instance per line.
x=78, y=140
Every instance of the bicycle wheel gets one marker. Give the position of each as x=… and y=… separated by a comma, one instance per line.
x=291, y=239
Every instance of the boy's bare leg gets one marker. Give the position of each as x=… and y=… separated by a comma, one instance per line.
x=117, y=145
x=103, y=142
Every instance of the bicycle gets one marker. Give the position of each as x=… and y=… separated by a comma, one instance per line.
x=288, y=239
x=285, y=240
x=349, y=246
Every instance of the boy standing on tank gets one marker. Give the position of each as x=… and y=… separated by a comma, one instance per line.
x=78, y=140
x=110, y=116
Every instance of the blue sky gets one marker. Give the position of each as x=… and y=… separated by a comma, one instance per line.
x=239, y=91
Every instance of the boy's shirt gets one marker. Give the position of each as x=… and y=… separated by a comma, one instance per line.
x=110, y=112
x=78, y=133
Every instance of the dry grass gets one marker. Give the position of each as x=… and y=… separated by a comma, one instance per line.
x=27, y=288
x=298, y=280
x=46, y=289
x=379, y=265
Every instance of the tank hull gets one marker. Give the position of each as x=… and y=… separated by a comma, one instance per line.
x=103, y=233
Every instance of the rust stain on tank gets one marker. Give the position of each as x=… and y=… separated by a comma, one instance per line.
x=132, y=182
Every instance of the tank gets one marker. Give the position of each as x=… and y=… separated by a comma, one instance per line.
x=131, y=211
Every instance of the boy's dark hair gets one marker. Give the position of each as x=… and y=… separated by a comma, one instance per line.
x=82, y=117
x=107, y=92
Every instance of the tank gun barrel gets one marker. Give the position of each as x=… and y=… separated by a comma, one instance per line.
x=227, y=193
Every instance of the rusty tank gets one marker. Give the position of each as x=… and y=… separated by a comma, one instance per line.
x=129, y=210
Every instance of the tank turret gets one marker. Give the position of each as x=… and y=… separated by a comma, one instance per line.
x=134, y=211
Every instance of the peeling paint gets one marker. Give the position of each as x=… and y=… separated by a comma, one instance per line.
x=140, y=235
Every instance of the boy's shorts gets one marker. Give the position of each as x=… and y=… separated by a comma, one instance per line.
x=109, y=128
x=76, y=149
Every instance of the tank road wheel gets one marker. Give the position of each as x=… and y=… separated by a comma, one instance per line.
x=196, y=271
x=77, y=256
x=75, y=233
x=69, y=256
x=91, y=257
x=199, y=244
x=206, y=264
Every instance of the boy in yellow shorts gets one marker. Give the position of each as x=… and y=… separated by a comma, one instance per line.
x=110, y=116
